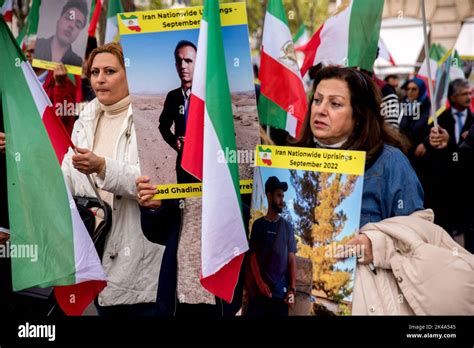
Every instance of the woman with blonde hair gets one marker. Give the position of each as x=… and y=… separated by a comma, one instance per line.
x=106, y=147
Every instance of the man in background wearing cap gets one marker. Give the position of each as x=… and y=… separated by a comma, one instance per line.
x=272, y=257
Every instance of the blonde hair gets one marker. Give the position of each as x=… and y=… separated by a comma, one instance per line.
x=112, y=48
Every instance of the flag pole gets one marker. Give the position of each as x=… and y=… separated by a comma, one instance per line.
x=427, y=57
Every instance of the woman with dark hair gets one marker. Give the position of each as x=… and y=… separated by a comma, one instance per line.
x=345, y=114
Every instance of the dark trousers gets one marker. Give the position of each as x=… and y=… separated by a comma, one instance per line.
x=6, y=293
x=261, y=306
x=199, y=310
x=126, y=310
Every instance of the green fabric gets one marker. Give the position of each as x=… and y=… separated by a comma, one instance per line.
x=276, y=8
x=270, y=114
x=39, y=209
x=218, y=100
x=364, y=30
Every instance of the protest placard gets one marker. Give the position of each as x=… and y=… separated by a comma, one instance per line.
x=62, y=34
x=316, y=195
x=160, y=54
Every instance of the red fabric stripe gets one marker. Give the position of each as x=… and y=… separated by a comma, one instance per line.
x=310, y=49
x=223, y=283
x=95, y=18
x=74, y=299
x=391, y=60
x=194, y=139
x=57, y=133
x=273, y=75
x=8, y=16
x=78, y=80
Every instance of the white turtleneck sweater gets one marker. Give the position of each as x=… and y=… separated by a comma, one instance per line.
x=108, y=128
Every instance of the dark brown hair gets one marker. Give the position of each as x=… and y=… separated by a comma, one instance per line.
x=112, y=48
x=371, y=131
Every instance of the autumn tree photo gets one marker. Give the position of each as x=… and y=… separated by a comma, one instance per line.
x=319, y=223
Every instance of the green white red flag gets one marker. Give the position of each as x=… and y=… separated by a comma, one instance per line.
x=282, y=103
x=6, y=10
x=111, y=29
x=210, y=129
x=42, y=212
x=31, y=25
x=348, y=38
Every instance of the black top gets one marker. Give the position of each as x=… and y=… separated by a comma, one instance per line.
x=43, y=52
x=173, y=113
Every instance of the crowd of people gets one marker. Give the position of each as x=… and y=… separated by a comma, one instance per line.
x=152, y=252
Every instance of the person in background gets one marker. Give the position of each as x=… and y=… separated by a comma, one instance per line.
x=466, y=151
x=61, y=91
x=414, y=123
x=393, y=81
x=87, y=91
x=452, y=166
x=416, y=108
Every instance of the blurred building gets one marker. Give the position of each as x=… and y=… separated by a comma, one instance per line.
x=450, y=23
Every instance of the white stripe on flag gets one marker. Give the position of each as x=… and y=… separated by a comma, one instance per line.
x=87, y=262
x=223, y=235
x=39, y=95
x=274, y=39
x=111, y=29
x=199, y=79
x=291, y=123
x=334, y=47
x=88, y=265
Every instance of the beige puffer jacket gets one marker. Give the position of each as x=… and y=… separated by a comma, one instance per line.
x=131, y=262
x=420, y=269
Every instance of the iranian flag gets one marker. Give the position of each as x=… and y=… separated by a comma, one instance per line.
x=43, y=215
x=302, y=36
x=6, y=8
x=437, y=52
x=385, y=53
x=348, y=38
x=111, y=29
x=96, y=8
x=210, y=129
x=131, y=22
x=282, y=103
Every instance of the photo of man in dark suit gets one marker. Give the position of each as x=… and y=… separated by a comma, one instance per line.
x=175, y=109
x=70, y=24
